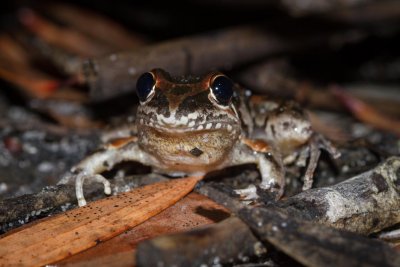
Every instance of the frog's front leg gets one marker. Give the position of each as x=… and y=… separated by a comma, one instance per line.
x=269, y=163
x=90, y=168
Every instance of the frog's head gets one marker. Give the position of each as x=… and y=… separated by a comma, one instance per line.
x=187, y=118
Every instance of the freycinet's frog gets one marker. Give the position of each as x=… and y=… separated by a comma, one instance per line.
x=192, y=125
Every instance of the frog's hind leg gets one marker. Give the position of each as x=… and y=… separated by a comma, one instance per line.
x=317, y=143
x=312, y=165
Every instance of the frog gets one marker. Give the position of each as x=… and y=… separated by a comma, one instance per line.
x=192, y=125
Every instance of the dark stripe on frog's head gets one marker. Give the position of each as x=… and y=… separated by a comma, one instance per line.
x=198, y=102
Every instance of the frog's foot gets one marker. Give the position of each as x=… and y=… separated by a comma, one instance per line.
x=391, y=236
x=249, y=193
x=80, y=179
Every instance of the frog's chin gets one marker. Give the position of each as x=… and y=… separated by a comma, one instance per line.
x=188, y=151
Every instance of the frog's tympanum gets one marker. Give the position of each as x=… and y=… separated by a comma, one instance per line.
x=193, y=125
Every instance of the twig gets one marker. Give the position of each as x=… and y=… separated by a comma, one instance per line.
x=117, y=73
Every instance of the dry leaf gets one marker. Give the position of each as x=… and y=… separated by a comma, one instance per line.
x=367, y=113
x=191, y=212
x=76, y=230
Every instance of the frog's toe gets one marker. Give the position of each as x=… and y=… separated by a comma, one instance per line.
x=107, y=185
x=249, y=193
x=80, y=179
x=278, y=189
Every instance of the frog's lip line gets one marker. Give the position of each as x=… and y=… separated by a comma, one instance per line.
x=211, y=126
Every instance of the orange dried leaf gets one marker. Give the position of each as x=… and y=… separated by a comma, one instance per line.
x=12, y=54
x=76, y=230
x=37, y=86
x=191, y=212
x=106, y=30
x=62, y=37
x=367, y=113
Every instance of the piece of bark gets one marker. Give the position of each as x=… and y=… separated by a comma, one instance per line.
x=191, y=212
x=317, y=245
x=226, y=242
x=117, y=73
x=366, y=203
x=21, y=210
x=76, y=230
x=18, y=211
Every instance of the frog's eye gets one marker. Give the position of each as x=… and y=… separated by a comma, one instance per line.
x=222, y=89
x=145, y=86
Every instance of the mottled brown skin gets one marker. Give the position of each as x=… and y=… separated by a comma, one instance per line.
x=182, y=129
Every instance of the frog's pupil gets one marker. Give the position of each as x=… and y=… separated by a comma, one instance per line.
x=144, y=85
x=222, y=88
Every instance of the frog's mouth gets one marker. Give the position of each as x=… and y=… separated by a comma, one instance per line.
x=229, y=126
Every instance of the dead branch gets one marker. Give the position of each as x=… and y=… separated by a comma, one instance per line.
x=364, y=204
x=277, y=78
x=116, y=74
x=317, y=245
x=21, y=210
